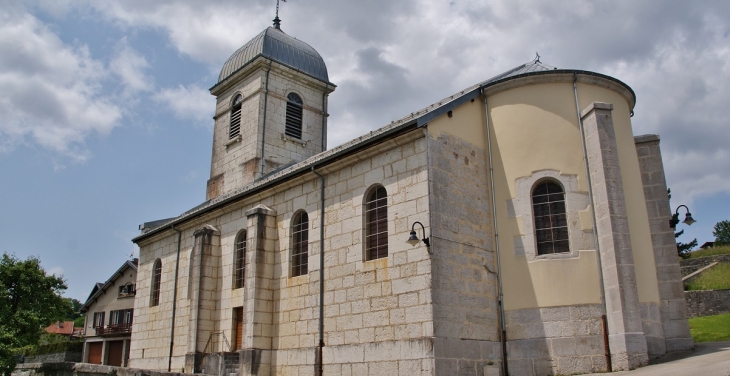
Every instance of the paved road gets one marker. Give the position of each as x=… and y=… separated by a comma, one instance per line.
x=708, y=359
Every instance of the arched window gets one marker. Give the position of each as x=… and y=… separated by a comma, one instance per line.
x=294, y=116
x=376, y=224
x=156, y=282
x=300, y=244
x=239, y=263
x=551, y=225
x=235, y=127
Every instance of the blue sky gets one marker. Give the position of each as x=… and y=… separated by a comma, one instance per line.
x=105, y=117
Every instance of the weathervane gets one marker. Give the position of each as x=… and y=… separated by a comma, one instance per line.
x=277, y=21
x=537, y=55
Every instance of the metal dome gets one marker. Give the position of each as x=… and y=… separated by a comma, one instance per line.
x=277, y=45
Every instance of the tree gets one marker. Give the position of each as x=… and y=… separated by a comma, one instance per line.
x=74, y=310
x=683, y=249
x=30, y=300
x=722, y=233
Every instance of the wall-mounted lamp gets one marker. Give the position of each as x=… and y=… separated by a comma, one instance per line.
x=413, y=239
x=687, y=218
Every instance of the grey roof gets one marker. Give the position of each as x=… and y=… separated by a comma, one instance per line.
x=277, y=45
x=413, y=120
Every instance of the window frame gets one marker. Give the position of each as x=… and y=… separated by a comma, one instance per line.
x=235, y=116
x=378, y=206
x=294, y=118
x=299, y=260
x=156, y=284
x=98, y=320
x=240, y=247
x=554, y=224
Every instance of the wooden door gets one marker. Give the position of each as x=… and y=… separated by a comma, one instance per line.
x=95, y=352
x=238, y=335
x=115, y=350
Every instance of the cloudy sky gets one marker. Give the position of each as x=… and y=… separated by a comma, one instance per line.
x=105, y=115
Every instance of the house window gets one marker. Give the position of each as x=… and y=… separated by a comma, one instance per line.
x=240, y=260
x=300, y=242
x=376, y=224
x=235, y=126
x=551, y=225
x=156, y=280
x=120, y=317
x=126, y=290
x=98, y=320
x=294, y=113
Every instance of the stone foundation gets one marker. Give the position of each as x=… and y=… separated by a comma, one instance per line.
x=555, y=340
x=707, y=303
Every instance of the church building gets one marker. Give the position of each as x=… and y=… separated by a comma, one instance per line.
x=515, y=227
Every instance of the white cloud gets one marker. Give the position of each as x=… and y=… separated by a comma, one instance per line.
x=389, y=58
x=189, y=103
x=130, y=66
x=55, y=271
x=51, y=91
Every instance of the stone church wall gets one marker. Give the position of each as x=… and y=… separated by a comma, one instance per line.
x=378, y=314
x=466, y=314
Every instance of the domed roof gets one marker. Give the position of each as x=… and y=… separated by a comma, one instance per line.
x=277, y=45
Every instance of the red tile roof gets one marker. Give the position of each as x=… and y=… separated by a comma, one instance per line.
x=61, y=327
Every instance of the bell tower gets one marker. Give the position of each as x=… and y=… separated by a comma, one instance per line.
x=271, y=110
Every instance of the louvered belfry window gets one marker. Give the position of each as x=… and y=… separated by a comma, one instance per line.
x=300, y=244
x=294, y=116
x=551, y=224
x=376, y=224
x=156, y=282
x=235, y=128
x=240, y=261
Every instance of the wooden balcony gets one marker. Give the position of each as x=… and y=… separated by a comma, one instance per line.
x=114, y=329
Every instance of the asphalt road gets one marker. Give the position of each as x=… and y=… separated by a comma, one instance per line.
x=708, y=359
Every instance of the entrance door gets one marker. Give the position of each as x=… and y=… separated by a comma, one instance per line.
x=238, y=336
x=115, y=353
x=95, y=352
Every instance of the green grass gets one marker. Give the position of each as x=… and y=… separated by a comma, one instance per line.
x=719, y=250
x=714, y=278
x=710, y=328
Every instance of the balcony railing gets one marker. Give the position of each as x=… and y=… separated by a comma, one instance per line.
x=113, y=329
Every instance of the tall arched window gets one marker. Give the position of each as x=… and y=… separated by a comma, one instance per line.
x=294, y=116
x=235, y=126
x=551, y=225
x=239, y=263
x=156, y=282
x=376, y=224
x=300, y=244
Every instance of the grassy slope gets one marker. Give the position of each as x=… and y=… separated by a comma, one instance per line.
x=715, y=278
x=719, y=250
x=710, y=328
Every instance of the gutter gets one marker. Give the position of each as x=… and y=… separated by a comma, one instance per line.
x=500, y=298
x=320, y=363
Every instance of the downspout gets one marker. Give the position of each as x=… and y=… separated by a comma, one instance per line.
x=200, y=285
x=319, y=365
x=324, y=116
x=263, y=126
x=500, y=298
x=604, y=320
x=174, y=298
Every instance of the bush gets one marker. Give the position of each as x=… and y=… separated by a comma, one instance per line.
x=52, y=348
